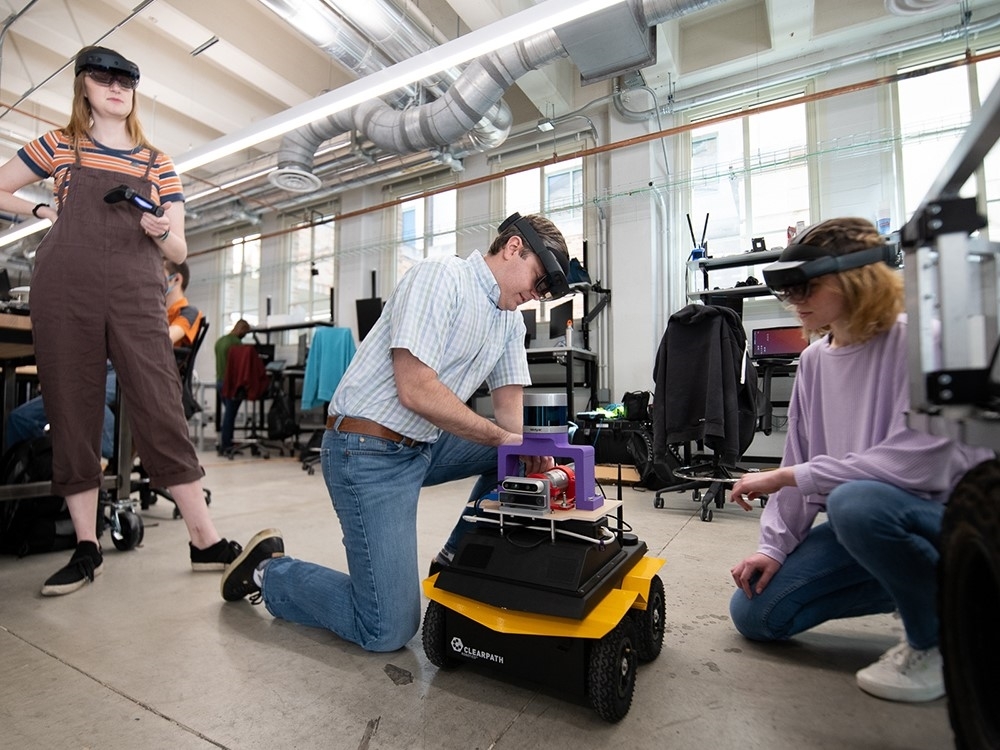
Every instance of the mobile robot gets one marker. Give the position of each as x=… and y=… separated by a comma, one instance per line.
x=548, y=586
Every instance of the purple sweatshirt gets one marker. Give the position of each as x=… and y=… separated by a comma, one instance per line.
x=847, y=421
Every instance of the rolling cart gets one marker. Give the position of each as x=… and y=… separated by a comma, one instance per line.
x=549, y=587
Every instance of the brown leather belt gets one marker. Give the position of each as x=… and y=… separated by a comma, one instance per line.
x=367, y=427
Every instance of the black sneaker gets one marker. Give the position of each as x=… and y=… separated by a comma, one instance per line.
x=216, y=557
x=237, y=581
x=86, y=563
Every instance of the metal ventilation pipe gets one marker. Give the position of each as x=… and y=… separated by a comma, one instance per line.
x=453, y=118
x=365, y=43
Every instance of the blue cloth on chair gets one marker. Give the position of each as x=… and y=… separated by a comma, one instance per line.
x=331, y=352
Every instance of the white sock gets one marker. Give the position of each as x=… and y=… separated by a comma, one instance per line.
x=258, y=572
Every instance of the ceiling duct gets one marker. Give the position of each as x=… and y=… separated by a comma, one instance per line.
x=604, y=44
x=367, y=42
x=454, y=121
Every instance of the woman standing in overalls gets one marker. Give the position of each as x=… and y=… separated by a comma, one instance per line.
x=97, y=294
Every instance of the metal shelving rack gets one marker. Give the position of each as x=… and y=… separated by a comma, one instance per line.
x=952, y=279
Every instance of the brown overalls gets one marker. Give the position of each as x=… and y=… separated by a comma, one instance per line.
x=97, y=294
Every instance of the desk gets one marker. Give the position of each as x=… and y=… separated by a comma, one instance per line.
x=16, y=349
x=268, y=330
x=767, y=369
x=566, y=357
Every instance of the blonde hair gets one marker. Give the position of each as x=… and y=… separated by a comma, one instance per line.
x=873, y=294
x=81, y=116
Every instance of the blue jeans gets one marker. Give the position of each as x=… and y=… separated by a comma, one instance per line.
x=877, y=552
x=230, y=408
x=28, y=421
x=374, y=485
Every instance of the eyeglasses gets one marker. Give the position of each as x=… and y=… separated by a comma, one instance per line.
x=106, y=78
x=543, y=286
x=796, y=294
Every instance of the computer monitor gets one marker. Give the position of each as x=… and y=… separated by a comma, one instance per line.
x=778, y=342
x=558, y=317
x=266, y=351
x=725, y=300
x=530, y=326
x=369, y=311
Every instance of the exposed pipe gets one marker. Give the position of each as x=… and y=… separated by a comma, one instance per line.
x=364, y=43
x=7, y=23
x=134, y=12
x=822, y=68
x=442, y=123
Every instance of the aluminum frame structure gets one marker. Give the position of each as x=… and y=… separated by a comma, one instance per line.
x=952, y=283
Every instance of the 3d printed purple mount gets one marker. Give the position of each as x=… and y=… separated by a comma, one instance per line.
x=555, y=444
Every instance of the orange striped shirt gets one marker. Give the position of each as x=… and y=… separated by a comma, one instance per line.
x=52, y=154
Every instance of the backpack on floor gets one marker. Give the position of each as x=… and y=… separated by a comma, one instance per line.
x=654, y=473
x=35, y=524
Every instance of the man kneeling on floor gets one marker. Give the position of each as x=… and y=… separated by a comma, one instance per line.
x=399, y=421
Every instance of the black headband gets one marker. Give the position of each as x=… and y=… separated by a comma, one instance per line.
x=102, y=58
x=556, y=266
x=799, y=263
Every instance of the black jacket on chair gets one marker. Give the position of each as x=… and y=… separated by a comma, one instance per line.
x=706, y=385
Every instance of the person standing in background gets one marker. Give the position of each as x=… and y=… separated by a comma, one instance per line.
x=230, y=406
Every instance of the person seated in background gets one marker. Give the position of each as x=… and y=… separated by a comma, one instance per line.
x=230, y=406
x=183, y=318
x=28, y=421
x=850, y=452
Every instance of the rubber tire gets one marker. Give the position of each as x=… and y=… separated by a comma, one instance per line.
x=969, y=607
x=435, y=638
x=649, y=623
x=132, y=531
x=611, y=672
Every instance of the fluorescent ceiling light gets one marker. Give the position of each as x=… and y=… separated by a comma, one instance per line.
x=25, y=229
x=534, y=20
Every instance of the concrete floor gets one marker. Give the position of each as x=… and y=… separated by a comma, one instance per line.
x=149, y=656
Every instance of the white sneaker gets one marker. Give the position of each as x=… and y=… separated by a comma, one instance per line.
x=905, y=674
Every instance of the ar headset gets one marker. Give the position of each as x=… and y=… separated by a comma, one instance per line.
x=102, y=58
x=553, y=285
x=799, y=264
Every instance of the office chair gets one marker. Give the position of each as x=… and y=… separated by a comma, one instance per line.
x=705, y=397
x=186, y=357
x=246, y=380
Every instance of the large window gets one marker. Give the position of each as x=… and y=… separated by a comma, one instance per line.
x=749, y=179
x=928, y=134
x=556, y=191
x=241, y=282
x=311, y=269
x=426, y=229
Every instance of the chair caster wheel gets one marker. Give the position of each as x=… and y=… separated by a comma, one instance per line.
x=127, y=533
